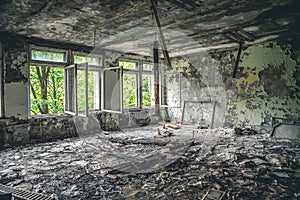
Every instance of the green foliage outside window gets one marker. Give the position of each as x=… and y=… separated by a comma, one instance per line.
x=147, y=82
x=47, y=56
x=89, y=60
x=130, y=85
x=129, y=90
x=81, y=90
x=47, y=83
x=46, y=90
x=128, y=65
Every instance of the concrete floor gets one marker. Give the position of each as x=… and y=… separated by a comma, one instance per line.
x=138, y=163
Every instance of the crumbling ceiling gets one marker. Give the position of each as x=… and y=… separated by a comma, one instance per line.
x=127, y=25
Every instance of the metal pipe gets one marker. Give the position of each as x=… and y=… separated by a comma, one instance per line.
x=237, y=60
x=156, y=77
x=160, y=34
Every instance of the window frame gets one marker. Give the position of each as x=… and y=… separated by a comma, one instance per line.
x=43, y=62
x=99, y=94
x=146, y=72
x=33, y=62
x=100, y=57
x=75, y=84
x=103, y=96
x=68, y=63
x=93, y=68
x=139, y=71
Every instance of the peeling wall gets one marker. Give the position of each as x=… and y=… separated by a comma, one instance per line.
x=16, y=79
x=267, y=85
x=202, y=91
x=16, y=132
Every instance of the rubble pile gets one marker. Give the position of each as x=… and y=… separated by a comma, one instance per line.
x=234, y=168
x=217, y=164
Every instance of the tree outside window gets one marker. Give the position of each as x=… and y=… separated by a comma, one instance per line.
x=46, y=90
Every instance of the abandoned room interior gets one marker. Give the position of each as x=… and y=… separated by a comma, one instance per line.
x=149, y=99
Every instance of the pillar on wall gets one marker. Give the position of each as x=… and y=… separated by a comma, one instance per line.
x=156, y=78
x=1, y=80
x=15, y=78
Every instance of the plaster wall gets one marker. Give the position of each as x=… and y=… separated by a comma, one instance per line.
x=16, y=96
x=267, y=85
x=15, y=79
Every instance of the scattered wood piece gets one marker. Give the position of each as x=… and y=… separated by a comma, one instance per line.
x=169, y=125
x=164, y=132
x=206, y=194
x=111, y=176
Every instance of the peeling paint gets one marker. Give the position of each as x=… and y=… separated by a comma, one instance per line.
x=20, y=63
x=266, y=86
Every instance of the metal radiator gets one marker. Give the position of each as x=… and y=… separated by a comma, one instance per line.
x=22, y=194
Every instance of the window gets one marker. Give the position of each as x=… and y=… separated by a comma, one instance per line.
x=112, y=90
x=138, y=84
x=148, y=90
x=93, y=81
x=46, y=90
x=57, y=88
x=84, y=86
x=76, y=81
x=130, y=89
x=47, y=55
x=46, y=81
x=148, y=97
x=147, y=67
x=91, y=60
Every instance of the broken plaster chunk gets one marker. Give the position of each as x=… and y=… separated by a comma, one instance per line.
x=111, y=176
x=80, y=163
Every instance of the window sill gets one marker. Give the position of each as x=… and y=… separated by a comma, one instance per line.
x=44, y=116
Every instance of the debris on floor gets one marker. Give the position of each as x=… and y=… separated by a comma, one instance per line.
x=174, y=125
x=215, y=164
x=164, y=132
x=244, y=131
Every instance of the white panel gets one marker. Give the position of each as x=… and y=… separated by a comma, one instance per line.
x=16, y=100
x=112, y=90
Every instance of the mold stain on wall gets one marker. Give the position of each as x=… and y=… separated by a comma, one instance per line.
x=267, y=86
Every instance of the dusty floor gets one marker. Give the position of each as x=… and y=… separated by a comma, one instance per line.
x=136, y=164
